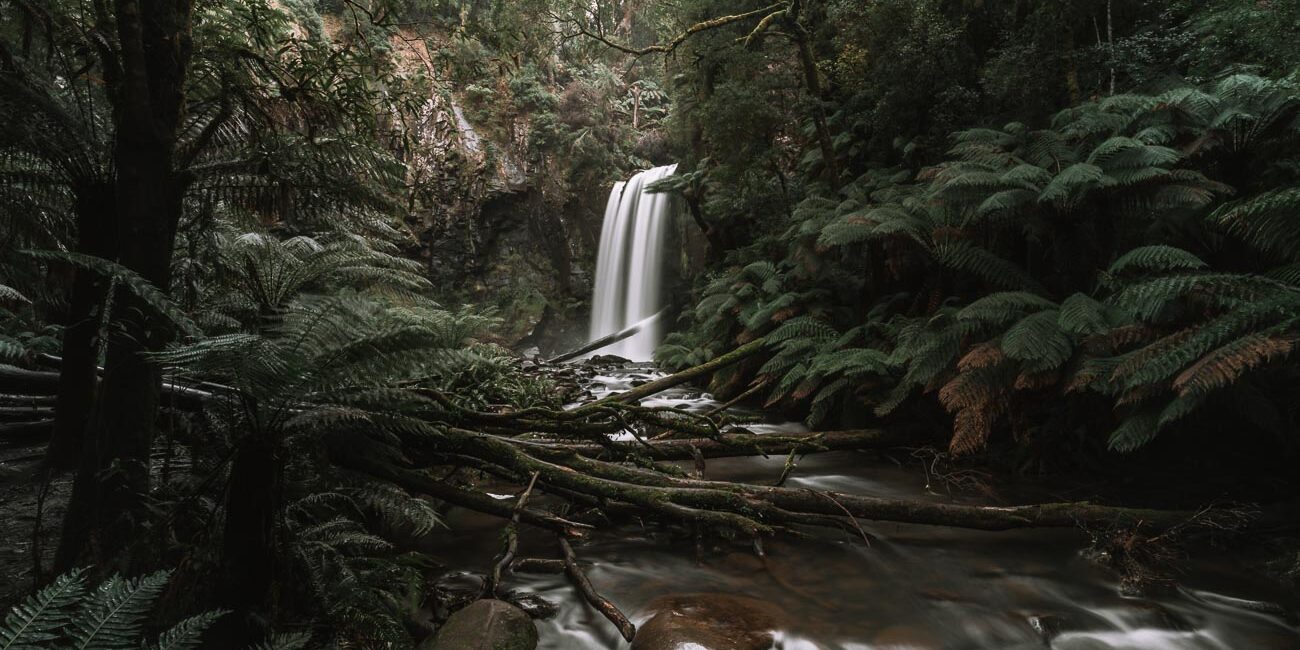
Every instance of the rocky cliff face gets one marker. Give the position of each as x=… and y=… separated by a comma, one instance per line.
x=495, y=216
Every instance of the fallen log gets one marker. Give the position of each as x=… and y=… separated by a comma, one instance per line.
x=28, y=382
x=37, y=384
x=17, y=434
x=748, y=444
x=676, y=379
x=606, y=341
x=25, y=413
x=754, y=509
x=10, y=399
x=419, y=483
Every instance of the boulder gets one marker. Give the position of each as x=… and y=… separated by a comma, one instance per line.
x=485, y=625
x=709, y=622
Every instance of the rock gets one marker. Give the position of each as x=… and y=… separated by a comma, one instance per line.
x=485, y=625
x=1048, y=626
x=709, y=622
x=607, y=360
x=907, y=637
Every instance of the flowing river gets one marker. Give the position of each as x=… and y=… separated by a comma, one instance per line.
x=920, y=587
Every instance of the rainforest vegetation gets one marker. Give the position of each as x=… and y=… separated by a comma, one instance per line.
x=279, y=280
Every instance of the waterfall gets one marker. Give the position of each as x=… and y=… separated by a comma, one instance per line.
x=630, y=267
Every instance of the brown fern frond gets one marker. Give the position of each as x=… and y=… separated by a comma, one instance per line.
x=1139, y=394
x=972, y=426
x=982, y=355
x=1037, y=380
x=1228, y=363
x=782, y=315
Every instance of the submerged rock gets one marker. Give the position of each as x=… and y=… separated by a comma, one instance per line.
x=485, y=625
x=608, y=360
x=709, y=622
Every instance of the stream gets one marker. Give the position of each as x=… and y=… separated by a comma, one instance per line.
x=917, y=587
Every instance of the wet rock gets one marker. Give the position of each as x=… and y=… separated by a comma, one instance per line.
x=1159, y=617
x=906, y=636
x=1048, y=626
x=485, y=625
x=454, y=590
x=709, y=622
x=533, y=605
x=607, y=360
x=743, y=563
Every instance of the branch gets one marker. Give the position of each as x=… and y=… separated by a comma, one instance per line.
x=602, y=605
x=747, y=444
x=670, y=46
x=664, y=383
x=493, y=580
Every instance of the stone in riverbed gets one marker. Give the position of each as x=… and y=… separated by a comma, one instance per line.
x=708, y=622
x=485, y=625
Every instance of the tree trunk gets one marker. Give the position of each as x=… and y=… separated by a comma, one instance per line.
x=817, y=94
x=107, y=505
x=78, y=374
x=250, y=543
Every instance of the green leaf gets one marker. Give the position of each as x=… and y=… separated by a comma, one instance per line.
x=38, y=621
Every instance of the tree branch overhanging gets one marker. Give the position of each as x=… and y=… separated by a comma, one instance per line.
x=672, y=45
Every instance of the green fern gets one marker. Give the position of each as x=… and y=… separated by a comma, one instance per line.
x=43, y=617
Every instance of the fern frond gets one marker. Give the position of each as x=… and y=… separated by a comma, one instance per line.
x=36, y=622
x=187, y=634
x=117, y=612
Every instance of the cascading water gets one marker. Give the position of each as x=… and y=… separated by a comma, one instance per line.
x=630, y=267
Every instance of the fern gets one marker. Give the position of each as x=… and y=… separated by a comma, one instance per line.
x=187, y=634
x=1038, y=341
x=128, y=280
x=116, y=612
x=41, y=619
x=1154, y=259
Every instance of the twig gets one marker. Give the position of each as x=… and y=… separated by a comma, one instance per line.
x=789, y=467
x=537, y=565
x=740, y=398
x=512, y=542
x=583, y=585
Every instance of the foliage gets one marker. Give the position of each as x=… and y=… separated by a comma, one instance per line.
x=111, y=616
x=976, y=281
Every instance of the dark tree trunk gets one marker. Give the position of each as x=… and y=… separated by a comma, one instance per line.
x=96, y=235
x=250, y=543
x=107, y=505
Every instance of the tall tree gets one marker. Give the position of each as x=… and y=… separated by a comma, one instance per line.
x=146, y=73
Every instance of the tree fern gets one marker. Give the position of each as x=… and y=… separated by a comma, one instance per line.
x=1156, y=258
x=128, y=280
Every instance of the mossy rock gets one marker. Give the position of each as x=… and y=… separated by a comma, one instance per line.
x=485, y=625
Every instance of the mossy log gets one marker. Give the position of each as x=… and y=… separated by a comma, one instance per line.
x=757, y=510
x=748, y=444
x=678, y=378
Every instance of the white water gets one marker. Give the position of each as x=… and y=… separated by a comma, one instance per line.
x=630, y=267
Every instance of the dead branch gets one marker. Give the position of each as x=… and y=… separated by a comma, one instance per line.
x=583, y=585
x=503, y=560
